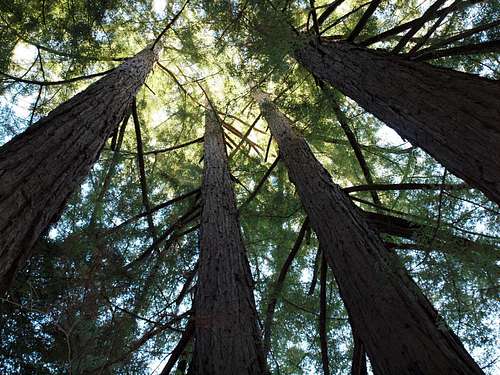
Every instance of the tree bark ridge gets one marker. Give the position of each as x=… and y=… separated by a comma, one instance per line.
x=227, y=338
x=402, y=332
x=453, y=116
x=41, y=167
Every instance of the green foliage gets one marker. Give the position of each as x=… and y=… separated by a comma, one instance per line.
x=78, y=306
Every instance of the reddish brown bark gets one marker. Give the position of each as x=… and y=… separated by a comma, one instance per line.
x=40, y=168
x=227, y=338
x=453, y=116
x=401, y=331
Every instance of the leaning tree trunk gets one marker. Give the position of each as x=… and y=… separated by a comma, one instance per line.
x=400, y=329
x=41, y=167
x=227, y=338
x=453, y=116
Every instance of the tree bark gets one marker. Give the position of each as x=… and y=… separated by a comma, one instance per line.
x=402, y=332
x=227, y=338
x=453, y=116
x=41, y=167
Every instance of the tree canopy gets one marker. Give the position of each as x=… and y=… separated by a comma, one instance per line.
x=109, y=288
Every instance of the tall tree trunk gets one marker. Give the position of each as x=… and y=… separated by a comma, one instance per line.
x=41, y=167
x=453, y=116
x=227, y=338
x=400, y=329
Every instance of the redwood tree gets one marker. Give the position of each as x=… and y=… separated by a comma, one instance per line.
x=41, y=167
x=454, y=116
x=400, y=329
x=227, y=338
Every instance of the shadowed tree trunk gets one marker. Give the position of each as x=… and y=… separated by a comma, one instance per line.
x=453, y=116
x=358, y=366
x=401, y=331
x=227, y=338
x=41, y=167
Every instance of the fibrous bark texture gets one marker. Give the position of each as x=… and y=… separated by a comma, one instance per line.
x=227, y=338
x=401, y=331
x=41, y=167
x=453, y=116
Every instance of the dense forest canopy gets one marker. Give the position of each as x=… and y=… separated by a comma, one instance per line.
x=109, y=287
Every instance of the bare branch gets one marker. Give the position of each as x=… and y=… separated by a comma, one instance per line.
x=456, y=6
x=328, y=11
x=142, y=174
x=459, y=36
x=189, y=216
x=427, y=35
x=179, y=348
x=364, y=19
x=176, y=147
x=323, y=337
x=466, y=50
x=111, y=170
x=342, y=18
x=314, y=280
x=278, y=286
x=260, y=184
x=428, y=15
x=154, y=209
x=54, y=83
x=137, y=344
x=405, y=186
x=169, y=25
x=342, y=119
x=245, y=136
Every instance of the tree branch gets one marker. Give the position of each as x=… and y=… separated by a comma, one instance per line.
x=142, y=340
x=428, y=15
x=245, y=136
x=342, y=119
x=364, y=19
x=408, y=25
x=179, y=348
x=142, y=174
x=405, y=186
x=176, y=147
x=340, y=19
x=412, y=230
x=323, y=337
x=427, y=35
x=458, y=37
x=278, y=286
x=54, y=83
x=466, y=50
x=110, y=172
x=190, y=215
x=169, y=25
x=329, y=11
x=154, y=209
x=260, y=184
x=314, y=280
